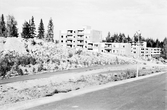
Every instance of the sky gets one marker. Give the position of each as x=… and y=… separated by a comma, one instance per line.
x=114, y=16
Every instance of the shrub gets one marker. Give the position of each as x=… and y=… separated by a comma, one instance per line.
x=11, y=62
x=33, y=42
x=70, y=55
x=78, y=52
x=5, y=66
x=26, y=60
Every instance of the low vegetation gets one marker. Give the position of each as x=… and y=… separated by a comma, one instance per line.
x=12, y=94
x=40, y=56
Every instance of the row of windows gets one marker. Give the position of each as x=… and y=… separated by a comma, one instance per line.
x=74, y=36
x=71, y=41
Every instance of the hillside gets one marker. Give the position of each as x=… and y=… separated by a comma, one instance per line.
x=33, y=56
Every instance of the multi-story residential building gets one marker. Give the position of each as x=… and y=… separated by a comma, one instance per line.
x=84, y=38
x=116, y=48
x=141, y=50
x=88, y=39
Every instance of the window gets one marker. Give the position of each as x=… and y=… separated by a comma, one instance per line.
x=62, y=41
x=123, y=46
x=85, y=41
x=96, y=45
x=61, y=36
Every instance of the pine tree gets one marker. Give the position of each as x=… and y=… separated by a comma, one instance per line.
x=108, y=38
x=41, y=30
x=2, y=27
x=12, y=30
x=129, y=39
x=157, y=43
x=50, y=33
x=32, y=27
x=120, y=38
x=164, y=50
x=116, y=38
x=26, y=30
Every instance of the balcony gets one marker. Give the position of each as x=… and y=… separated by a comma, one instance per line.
x=80, y=43
x=108, y=47
x=69, y=33
x=70, y=37
x=80, y=38
x=69, y=42
x=80, y=33
x=89, y=46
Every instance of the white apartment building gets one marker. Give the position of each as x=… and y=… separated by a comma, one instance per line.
x=141, y=50
x=84, y=38
x=116, y=48
x=88, y=39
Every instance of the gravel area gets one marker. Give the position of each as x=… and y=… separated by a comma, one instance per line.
x=32, y=89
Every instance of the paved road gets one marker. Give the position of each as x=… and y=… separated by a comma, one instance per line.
x=145, y=94
x=49, y=74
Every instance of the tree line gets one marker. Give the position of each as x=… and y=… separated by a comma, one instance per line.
x=121, y=38
x=9, y=29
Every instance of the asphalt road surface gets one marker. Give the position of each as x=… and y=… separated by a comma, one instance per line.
x=145, y=94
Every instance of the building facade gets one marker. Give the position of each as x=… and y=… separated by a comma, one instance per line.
x=141, y=50
x=84, y=38
x=88, y=39
x=116, y=48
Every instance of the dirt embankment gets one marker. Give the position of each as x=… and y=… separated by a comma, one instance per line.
x=34, y=56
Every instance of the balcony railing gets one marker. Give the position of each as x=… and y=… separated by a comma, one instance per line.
x=69, y=37
x=80, y=38
x=108, y=47
x=69, y=42
x=80, y=43
x=80, y=33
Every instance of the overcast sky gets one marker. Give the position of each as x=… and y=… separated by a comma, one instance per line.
x=126, y=16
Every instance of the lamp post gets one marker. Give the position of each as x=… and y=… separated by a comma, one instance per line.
x=138, y=35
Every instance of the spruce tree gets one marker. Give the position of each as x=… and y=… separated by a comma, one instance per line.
x=50, y=33
x=12, y=30
x=26, y=30
x=2, y=26
x=164, y=50
x=32, y=27
x=108, y=38
x=41, y=30
x=157, y=43
x=129, y=39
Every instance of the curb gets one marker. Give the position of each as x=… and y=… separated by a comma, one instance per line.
x=57, y=97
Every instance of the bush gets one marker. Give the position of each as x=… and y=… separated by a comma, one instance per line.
x=5, y=65
x=11, y=62
x=70, y=55
x=26, y=60
x=78, y=52
x=33, y=42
